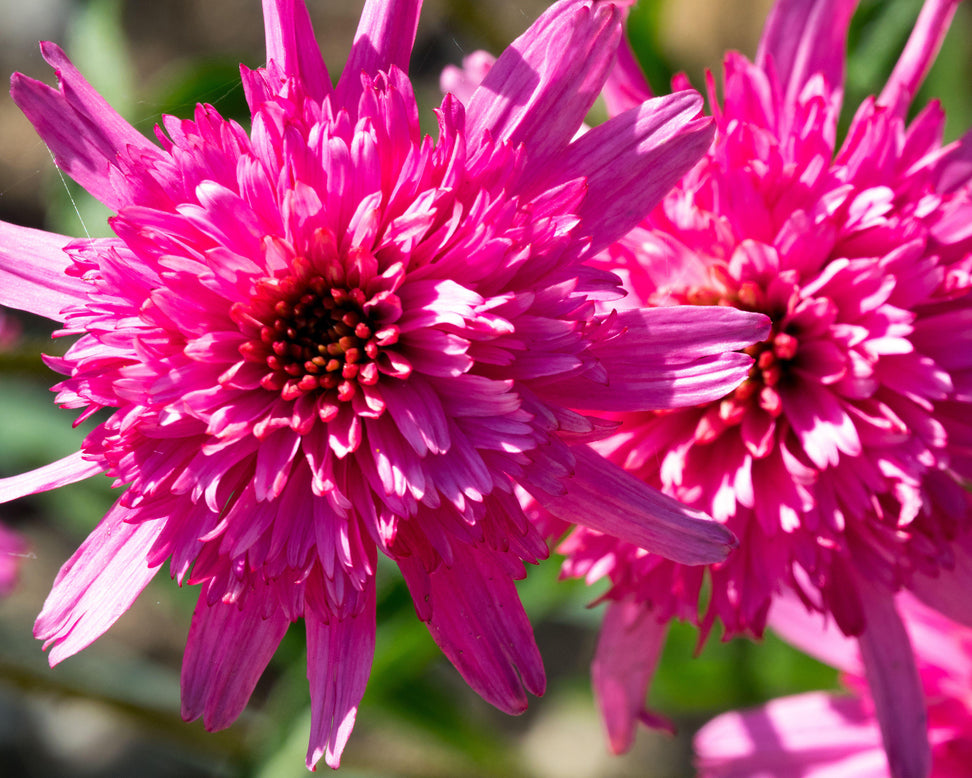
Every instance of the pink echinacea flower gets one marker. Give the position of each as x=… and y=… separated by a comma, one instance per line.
x=828, y=735
x=333, y=336
x=841, y=463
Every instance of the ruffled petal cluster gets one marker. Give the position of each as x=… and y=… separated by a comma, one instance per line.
x=842, y=462
x=330, y=336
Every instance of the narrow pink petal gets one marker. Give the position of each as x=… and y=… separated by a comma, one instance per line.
x=292, y=45
x=680, y=333
x=948, y=592
x=648, y=388
x=541, y=88
x=32, y=277
x=339, y=656
x=69, y=470
x=628, y=650
x=805, y=37
x=814, y=734
x=474, y=615
x=919, y=54
x=385, y=36
x=626, y=86
x=228, y=648
x=602, y=496
x=894, y=682
x=84, y=133
x=97, y=584
x=631, y=161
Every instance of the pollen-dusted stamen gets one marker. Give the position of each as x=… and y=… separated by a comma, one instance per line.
x=314, y=336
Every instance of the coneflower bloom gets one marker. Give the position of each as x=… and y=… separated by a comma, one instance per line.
x=332, y=336
x=820, y=734
x=840, y=462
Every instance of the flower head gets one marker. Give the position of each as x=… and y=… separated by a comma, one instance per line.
x=827, y=734
x=332, y=336
x=840, y=462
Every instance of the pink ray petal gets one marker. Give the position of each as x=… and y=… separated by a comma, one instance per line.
x=228, y=648
x=895, y=685
x=805, y=37
x=548, y=78
x=632, y=160
x=628, y=650
x=97, y=584
x=385, y=36
x=292, y=45
x=69, y=470
x=475, y=616
x=32, y=277
x=919, y=54
x=602, y=496
x=84, y=133
x=349, y=644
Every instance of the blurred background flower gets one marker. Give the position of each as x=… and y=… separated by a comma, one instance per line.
x=114, y=711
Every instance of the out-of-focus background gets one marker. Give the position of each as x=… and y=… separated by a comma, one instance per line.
x=113, y=710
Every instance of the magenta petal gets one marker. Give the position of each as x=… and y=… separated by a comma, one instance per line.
x=475, y=616
x=895, y=685
x=339, y=656
x=97, y=584
x=68, y=470
x=84, y=133
x=228, y=648
x=631, y=161
x=541, y=88
x=813, y=734
x=919, y=54
x=32, y=277
x=805, y=37
x=385, y=36
x=602, y=496
x=292, y=45
x=628, y=650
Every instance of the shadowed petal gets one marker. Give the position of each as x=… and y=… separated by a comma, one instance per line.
x=602, y=496
x=348, y=644
x=476, y=618
x=815, y=734
x=97, y=584
x=228, y=648
x=32, y=277
x=84, y=133
x=627, y=654
x=631, y=161
x=385, y=36
x=805, y=37
x=292, y=45
x=539, y=90
x=895, y=684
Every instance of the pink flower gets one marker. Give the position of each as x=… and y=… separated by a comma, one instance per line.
x=332, y=336
x=841, y=462
x=823, y=734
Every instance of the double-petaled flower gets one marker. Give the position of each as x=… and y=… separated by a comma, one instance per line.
x=331, y=336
